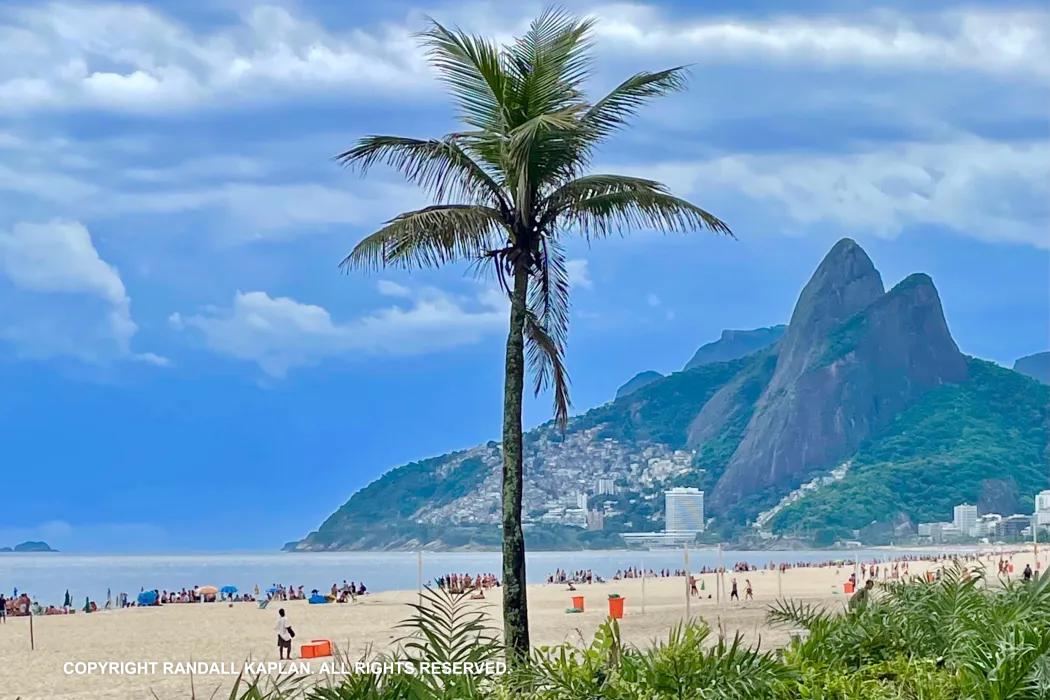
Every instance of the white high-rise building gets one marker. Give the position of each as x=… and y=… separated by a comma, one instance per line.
x=1042, y=509
x=606, y=487
x=684, y=510
x=581, y=501
x=965, y=519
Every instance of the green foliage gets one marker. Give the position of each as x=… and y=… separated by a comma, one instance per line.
x=955, y=637
x=661, y=411
x=936, y=453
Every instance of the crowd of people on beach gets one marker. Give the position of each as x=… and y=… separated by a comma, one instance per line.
x=477, y=584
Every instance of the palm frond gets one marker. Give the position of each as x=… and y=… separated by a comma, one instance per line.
x=440, y=167
x=615, y=110
x=569, y=194
x=619, y=212
x=550, y=63
x=429, y=237
x=473, y=68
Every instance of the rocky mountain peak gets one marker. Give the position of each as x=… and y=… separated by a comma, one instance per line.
x=853, y=356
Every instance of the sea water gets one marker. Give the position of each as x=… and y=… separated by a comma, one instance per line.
x=47, y=577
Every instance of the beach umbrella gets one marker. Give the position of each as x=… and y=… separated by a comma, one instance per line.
x=147, y=598
x=68, y=601
x=228, y=590
x=272, y=589
x=208, y=590
x=87, y=604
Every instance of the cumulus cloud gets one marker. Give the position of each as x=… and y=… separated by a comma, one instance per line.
x=982, y=189
x=983, y=40
x=579, y=274
x=59, y=258
x=134, y=58
x=280, y=333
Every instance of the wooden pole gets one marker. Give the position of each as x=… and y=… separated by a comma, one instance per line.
x=419, y=574
x=32, y=639
x=780, y=581
x=688, y=599
x=643, y=589
x=721, y=573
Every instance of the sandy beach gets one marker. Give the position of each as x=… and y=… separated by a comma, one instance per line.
x=215, y=632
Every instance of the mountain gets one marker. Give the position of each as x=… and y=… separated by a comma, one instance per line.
x=637, y=382
x=852, y=358
x=862, y=416
x=732, y=345
x=29, y=547
x=1036, y=366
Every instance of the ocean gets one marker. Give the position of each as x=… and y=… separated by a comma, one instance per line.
x=47, y=577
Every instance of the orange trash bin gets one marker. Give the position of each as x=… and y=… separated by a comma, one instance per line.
x=577, y=602
x=847, y=587
x=616, y=608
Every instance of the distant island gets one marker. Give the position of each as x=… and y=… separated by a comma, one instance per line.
x=29, y=547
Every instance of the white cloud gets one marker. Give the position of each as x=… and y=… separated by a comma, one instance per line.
x=974, y=39
x=59, y=257
x=579, y=274
x=134, y=58
x=652, y=300
x=280, y=333
x=982, y=189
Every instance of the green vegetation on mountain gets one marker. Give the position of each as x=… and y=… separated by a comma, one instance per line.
x=661, y=412
x=935, y=455
x=637, y=382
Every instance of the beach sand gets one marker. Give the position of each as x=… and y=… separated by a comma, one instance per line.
x=214, y=632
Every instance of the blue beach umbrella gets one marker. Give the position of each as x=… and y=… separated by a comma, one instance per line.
x=147, y=598
x=228, y=590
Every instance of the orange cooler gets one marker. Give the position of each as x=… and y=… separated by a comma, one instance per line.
x=316, y=648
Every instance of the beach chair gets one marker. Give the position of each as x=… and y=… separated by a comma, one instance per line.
x=263, y=603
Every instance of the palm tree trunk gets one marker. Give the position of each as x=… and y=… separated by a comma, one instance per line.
x=515, y=605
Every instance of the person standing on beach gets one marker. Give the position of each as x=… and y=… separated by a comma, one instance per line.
x=3, y=609
x=733, y=595
x=284, y=636
x=748, y=593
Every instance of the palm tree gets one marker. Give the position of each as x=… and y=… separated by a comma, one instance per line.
x=507, y=190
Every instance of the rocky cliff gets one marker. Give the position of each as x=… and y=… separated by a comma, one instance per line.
x=853, y=356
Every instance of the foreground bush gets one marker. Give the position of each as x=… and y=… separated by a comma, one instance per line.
x=954, y=638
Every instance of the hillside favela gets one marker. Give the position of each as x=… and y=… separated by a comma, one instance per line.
x=442, y=351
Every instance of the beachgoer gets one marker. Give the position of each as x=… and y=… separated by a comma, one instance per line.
x=733, y=595
x=284, y=635
x=1027, y=575
x=3, y=609
x=860, y=598
x=692, y=586
x=748, y=595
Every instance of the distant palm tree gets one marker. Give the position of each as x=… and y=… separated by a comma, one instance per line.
x=507, y=191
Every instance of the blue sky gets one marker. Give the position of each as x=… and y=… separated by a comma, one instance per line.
x=183, y=367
